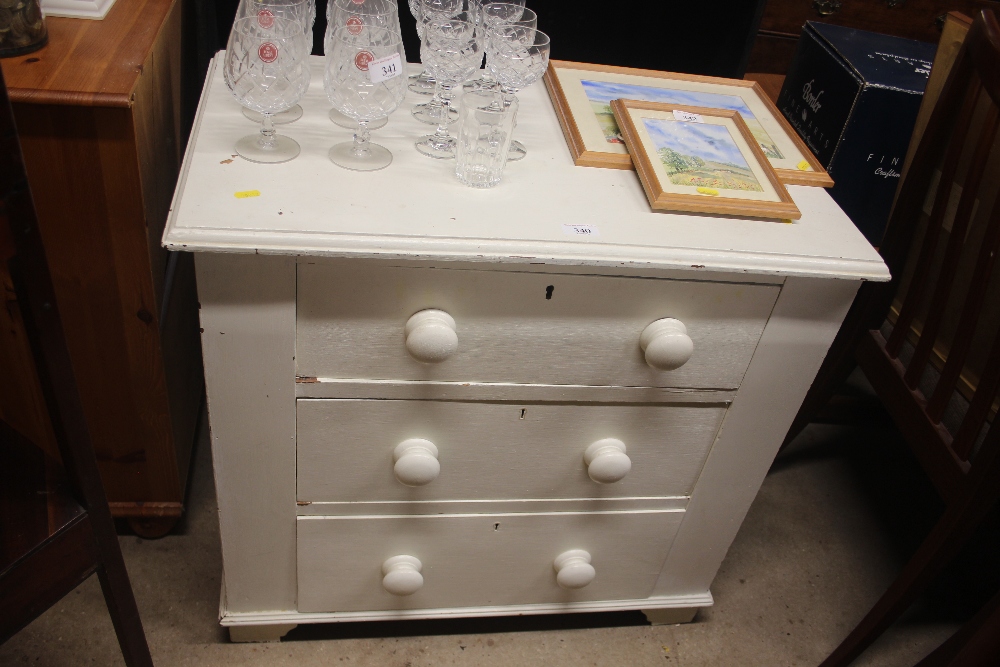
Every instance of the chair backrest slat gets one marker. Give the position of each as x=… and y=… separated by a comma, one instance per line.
x=979, y=408
x=983, y=53
x=961, y=343
x=921, y=277
x=956, y=243
x=949, y=311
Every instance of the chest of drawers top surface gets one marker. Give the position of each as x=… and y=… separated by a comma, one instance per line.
x=417, y=209
x=89, y=63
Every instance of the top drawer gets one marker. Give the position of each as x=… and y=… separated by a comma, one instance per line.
x=524, y=328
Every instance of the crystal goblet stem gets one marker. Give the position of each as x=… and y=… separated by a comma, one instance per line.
x=362, y=155
x=517, y=150
x=441, y=144
x=430, y=112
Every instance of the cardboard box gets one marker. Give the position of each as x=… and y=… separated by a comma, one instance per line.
x=853, y=97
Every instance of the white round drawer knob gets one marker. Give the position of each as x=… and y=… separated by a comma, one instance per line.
x=573, y=569
x=606, y=461
x=431, y=336
x=666, y=344
x=401, y=575
x=416, y=462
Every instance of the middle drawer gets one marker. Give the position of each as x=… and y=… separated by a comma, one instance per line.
x=349, y=450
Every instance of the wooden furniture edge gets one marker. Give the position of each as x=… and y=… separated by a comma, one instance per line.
x=634, y=71
x=169, y=226
x=584, y=158
x=810, y=311
x=44, y=575
x=698, y=600
x=81, y=98
x=571, y=133
x=145, y=510
x=789, y=205
x=70, y=98
x=661, y=200
x=819, y=176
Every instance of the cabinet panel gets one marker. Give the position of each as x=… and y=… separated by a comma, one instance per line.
x=478, y=560
x=493, y=451
x=526, y=328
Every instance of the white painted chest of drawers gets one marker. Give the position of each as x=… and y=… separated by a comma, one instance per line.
x=533, y=381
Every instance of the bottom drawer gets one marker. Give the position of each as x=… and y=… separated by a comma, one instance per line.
x=478, y=560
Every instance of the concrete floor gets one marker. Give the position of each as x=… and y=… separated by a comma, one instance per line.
x=818, y=547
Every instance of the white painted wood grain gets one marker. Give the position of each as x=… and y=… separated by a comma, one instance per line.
x=351, y=319
x=248, y=339
x=805, y=321
x=478, y=560
x=679, y=602
x=475, y=506
x=310, y=206
x=497, y=451
x=504, y=391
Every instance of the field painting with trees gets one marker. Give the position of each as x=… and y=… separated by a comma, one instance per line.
x=701, y=155
x=600, y=94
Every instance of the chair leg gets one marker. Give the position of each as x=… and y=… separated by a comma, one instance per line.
x=949, y=535
x=124, y=613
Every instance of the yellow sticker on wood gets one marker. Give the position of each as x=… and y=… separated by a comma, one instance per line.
x=246, y=193
x=708, y=191
x=803, y=166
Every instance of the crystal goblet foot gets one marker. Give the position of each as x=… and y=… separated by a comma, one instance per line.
x=421, y=84
x=517, y=151
x=360, y=154
x=430, y=112
x=266, y=146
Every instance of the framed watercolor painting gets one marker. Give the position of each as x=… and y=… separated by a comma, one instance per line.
x=581, y=94
x=700, y=160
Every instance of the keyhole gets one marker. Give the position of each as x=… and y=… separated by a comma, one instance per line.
x=522, y=413
x=496, y=527
x=548, y=291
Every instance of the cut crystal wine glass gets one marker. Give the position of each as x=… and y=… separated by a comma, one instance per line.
x=358, y=16
x=520, y=57
x=267, y=70
x=365, y=81
x=423, y=83
x=493, y=16
x=452, y=50
x=430, y=112
x=303, y=11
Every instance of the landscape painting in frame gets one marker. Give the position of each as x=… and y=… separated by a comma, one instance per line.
x=700, y=160
x=581, y=94
x=698, y=155
x=600, y=94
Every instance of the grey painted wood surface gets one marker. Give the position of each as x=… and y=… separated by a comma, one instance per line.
x=248, y=338
x=804, y=323
x=497, y=450
x=351, y=319
x=482, y=560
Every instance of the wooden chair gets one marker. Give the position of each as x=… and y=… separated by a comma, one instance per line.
x=942, y=264
x=55, y=530
x=977, y=644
